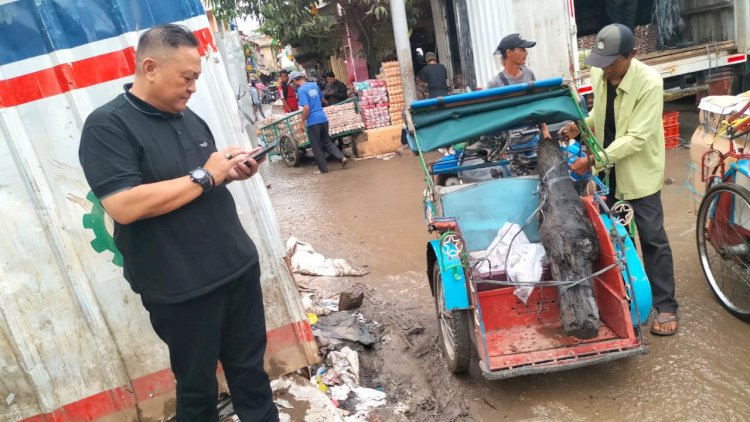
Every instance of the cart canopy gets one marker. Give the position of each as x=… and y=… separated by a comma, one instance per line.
x=441, y=122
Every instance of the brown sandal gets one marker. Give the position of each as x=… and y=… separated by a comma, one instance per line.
x=661, y=320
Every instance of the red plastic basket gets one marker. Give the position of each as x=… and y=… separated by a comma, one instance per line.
x=670, y=118
x=672, y=131
x=671, y=136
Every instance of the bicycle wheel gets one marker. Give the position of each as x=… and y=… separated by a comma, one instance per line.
x=722, y=234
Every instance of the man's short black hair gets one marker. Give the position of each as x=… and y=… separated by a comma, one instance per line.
x=284, y=72
x=330, y=74
x=165, y=36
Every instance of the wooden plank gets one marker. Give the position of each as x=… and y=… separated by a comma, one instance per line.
x=679, y=57
x=715, y=46
x=704, y=50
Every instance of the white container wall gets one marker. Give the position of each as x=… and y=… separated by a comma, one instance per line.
x=548, y=22
x=75, y=342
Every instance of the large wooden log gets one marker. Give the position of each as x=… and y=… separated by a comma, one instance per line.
x=569, y=240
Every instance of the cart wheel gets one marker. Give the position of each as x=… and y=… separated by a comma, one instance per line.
x=289, y=151
x=448, y=180
x=724, y=246
x=455, y=335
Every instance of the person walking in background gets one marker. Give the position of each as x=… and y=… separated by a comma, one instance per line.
x=311, y=101
x=257, y=103
x=435, y=75
x=153, y=164
x=512, y=48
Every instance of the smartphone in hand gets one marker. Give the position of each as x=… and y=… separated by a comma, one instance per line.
x=262, y=153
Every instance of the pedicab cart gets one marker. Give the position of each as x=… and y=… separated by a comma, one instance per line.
x=291, y=133
x=477, y=308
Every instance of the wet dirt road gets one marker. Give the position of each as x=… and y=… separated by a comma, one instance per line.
x=371, y=214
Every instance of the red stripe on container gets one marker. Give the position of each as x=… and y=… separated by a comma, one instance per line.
x=739, y=58
x=158, y=383
x=80, y=74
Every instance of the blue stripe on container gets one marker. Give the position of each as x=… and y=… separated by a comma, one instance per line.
x=30, y=28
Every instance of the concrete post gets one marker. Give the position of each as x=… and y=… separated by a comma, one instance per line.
x=403, y=50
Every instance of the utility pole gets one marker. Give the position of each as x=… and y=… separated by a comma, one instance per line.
x=403, y=50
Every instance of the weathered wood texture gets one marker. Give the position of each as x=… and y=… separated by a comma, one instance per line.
x=570, y=241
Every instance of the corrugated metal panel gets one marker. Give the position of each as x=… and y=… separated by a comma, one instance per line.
x=708, y=20
x=545, y=21
x=75, y=342
x=466, y=49
x=489, y=22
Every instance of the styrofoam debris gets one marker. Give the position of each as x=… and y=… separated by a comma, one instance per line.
x=319, y=406
x=306, y=261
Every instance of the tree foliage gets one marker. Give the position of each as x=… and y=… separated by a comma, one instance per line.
x=300, y=24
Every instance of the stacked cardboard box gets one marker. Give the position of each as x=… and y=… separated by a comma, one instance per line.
x=392, y=75
x=373, y=102
x=377, y=141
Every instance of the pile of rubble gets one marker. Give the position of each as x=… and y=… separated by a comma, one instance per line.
x=332, y=390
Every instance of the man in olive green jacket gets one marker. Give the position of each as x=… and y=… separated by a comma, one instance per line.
x=626, y=119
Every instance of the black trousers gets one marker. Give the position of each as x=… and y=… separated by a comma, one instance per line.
x=657, y=254
x=320, y=142
x=224, y=325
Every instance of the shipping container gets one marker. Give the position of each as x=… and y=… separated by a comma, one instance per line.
x=713, y=46
x=75, y=342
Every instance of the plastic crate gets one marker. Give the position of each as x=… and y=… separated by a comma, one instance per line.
x=672, y=136
x=670, y=118
x=672, y=131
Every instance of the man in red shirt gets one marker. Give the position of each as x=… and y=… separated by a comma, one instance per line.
x=287, y=93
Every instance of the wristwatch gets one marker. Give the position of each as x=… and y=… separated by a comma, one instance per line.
x=203, y=178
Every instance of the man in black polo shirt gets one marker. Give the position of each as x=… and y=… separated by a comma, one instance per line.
x=153, y=164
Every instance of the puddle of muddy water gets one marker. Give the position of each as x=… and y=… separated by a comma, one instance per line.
x=371, y=213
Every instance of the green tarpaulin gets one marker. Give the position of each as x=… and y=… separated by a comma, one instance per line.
x=442, y=127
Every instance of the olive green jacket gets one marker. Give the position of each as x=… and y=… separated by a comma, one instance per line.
x=638, y=148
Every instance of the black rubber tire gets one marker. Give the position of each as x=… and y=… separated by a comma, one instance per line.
x=457, y=357
x=289, y=151
x=700, y=234
x=447, y=180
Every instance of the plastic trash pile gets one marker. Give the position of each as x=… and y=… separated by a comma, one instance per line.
x=308, y=262
x=525, y=260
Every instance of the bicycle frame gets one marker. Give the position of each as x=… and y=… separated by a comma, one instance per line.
x=725, y=227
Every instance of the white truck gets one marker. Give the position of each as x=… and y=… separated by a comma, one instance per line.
x=713, y=54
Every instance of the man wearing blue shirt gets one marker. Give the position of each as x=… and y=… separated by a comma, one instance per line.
x=311, y=102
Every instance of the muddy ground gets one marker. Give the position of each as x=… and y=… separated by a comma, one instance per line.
x=371, y=214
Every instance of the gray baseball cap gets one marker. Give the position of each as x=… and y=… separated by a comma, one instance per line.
x=295, y=74
x=611, y=42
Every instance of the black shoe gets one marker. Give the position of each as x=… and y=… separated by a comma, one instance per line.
x=344, y=162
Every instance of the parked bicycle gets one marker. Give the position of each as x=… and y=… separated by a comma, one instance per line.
x=723, y=225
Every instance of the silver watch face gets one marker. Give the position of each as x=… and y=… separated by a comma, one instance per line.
x=199, y=174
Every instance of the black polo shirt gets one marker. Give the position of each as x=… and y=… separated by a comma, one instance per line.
x=189, y=251
x=436, y=76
